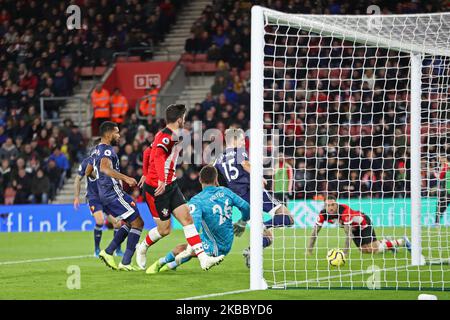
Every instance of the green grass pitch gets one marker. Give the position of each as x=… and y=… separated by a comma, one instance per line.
x=25, y=274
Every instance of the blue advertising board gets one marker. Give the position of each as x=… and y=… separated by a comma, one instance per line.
x=63, y=217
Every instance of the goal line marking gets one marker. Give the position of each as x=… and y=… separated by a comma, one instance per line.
x=3, y=263
x=290, y=283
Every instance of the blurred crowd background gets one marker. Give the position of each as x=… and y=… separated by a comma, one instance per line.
x=345, y=136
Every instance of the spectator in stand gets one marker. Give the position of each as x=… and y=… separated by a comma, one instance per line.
x=119, y=106
x=283, y=179
x=100, y=102
x=62, y=163
x=147, y=106
x=5, y=171
x=22, y=183
x=55, y=176
x=9, y=150
x=76, y=143
x=40, y=188
x=142, y=134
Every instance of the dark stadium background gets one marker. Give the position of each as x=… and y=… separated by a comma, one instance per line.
x=40, y=57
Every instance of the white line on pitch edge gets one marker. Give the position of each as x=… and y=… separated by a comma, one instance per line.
x=216, y=294
x=2, y=263
x=293, y=282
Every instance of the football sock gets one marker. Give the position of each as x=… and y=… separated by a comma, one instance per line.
x=119, y=237
x=133, y=239
x=278, y=220
x=192, y=237
x=152, y=237
x=173, y=265
x=168, y=258
x=389, y=244
x=97, y=235
x=115, y=231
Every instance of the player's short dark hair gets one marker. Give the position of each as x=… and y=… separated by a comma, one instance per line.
x=208, y=174
x=175, y=112
x=106, y=127
x=331, y=197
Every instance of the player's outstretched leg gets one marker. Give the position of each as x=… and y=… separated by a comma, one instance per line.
x=154, y=235
x=380, y=246
x=118, y=251
x=107, y=254
x=171, y=261
x=98, y=230
x=137, y=224
x=281, y=218
x=193, y=238
x=267, y=241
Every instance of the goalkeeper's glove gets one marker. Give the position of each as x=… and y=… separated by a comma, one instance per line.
x=239, y=227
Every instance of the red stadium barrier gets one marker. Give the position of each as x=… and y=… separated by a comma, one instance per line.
x=134, y=77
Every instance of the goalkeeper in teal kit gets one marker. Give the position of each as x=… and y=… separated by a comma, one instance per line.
x=211, y=211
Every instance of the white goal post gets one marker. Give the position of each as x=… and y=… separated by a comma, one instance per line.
x=343, y=63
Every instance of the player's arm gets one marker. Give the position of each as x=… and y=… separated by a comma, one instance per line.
x=348, y=238
x=77, y=184
x=313, y=238
x=246, y=165
x=160, y=160
x=90, y=171
x=244, y=208
x=145, y=163
x=107, y=168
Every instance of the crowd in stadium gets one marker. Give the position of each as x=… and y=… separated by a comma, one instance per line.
x=42, y=58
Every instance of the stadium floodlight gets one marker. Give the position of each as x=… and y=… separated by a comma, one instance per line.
x=360, y=104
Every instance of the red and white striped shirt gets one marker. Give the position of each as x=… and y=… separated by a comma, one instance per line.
x=160, y=158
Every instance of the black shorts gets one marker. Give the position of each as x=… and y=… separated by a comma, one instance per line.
x=162, y=206
x=364, y=236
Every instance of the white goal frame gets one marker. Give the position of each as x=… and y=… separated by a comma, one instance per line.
x=413, y=46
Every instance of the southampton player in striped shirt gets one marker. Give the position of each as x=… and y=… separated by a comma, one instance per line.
x=234, y=166
x=357, y=227
x=211, y=211
x=93, y=199
x=114, y=200
x=162, y=194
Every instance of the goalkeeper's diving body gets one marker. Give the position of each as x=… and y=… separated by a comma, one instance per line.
x=234, y=166
x=211, y=211
x=358, y=227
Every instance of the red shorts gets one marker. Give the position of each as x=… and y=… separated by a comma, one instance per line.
x=163, y=205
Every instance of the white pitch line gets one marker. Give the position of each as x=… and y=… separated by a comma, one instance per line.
x=339, y=276
x=43, y=260
x=216, y=294
x=298, y=282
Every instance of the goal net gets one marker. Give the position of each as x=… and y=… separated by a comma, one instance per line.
x=355, y=107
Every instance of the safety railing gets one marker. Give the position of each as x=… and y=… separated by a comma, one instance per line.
x=51, y=108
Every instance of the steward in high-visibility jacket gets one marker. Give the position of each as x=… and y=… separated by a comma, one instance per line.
x=119, y=107
x=100, y=102
x=147, y=106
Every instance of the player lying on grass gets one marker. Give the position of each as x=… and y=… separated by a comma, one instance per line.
x=95, y=205
x=211, y=211
x=357, y=226
x=234, y=166
x=114, y=200
x=162, y=194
